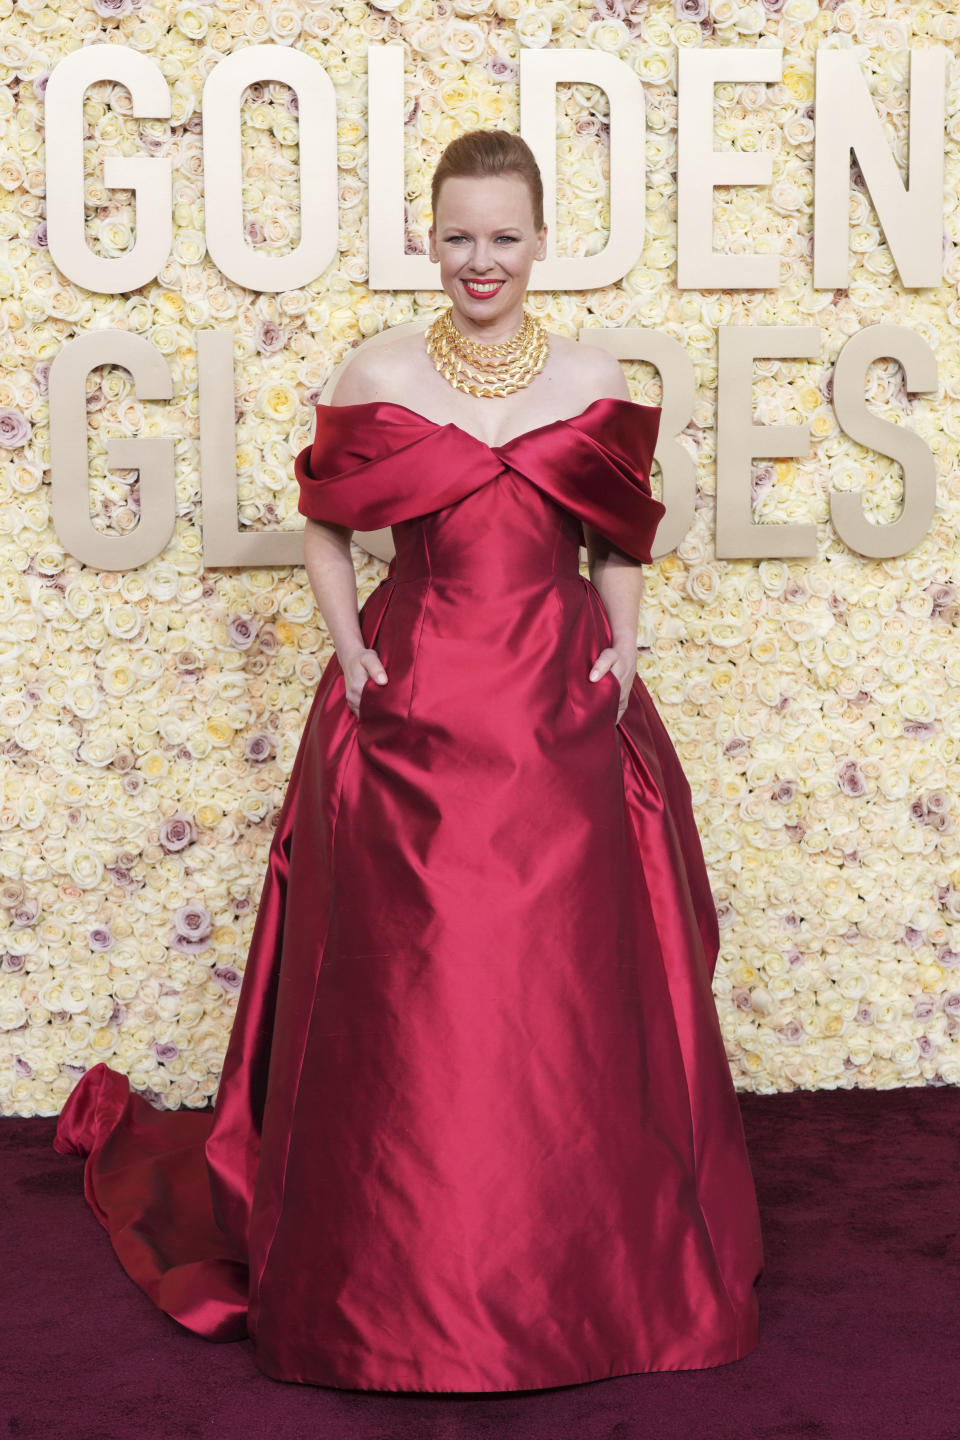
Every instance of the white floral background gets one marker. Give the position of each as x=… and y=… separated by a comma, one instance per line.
x=149, y=719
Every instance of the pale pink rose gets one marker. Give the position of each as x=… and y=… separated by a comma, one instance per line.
x=177, y=831
x=15, y=429
x=850, y=780
x=242, y=631
x=192, y=924
x=726, y=915
x=258, y=748
x=269, y=338
x=945, y=602
x=762, y=477
x=501, y=67
x=228, y=977
x=25, y=914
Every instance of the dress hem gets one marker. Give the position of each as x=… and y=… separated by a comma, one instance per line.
x=738, y=1352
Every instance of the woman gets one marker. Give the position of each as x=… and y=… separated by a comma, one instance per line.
x=476, y=1128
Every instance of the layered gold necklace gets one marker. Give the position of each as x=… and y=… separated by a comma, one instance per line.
x=487, y=369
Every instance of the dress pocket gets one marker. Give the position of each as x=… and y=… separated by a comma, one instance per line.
x=363, y=694
x=363, y=703
x=614, y=687
x=371, y=621
x=608, y=679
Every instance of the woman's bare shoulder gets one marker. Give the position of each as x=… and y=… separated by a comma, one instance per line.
x=397, y=367
x=376, y=371
x=600, y=371
x=583, y=372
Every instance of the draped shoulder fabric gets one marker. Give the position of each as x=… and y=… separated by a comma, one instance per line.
x=475, y=1128
x=596, y=464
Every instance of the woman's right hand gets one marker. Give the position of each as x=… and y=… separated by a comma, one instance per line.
x=363, y=668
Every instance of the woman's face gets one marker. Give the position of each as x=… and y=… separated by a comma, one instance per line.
x=483, y=230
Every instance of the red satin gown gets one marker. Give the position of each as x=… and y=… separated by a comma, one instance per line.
x=476, y=1128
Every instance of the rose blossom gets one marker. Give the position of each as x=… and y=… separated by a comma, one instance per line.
x=177, y=831
x=269, y=338
x=242, y=631
x=15, y=429
x=258, y=747
x=193, y=924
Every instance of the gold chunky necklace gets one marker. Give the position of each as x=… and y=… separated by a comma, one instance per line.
x=487, y=369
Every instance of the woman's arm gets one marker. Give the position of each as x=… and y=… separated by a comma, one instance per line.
x=617, y=576
x=619, y=579
x=329, y=565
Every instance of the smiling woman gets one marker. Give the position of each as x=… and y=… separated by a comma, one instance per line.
x=476, y=1128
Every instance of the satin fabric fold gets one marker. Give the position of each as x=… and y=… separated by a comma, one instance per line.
x=596, y=463
x=476, y=1128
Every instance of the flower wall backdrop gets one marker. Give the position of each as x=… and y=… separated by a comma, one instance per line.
x=149, y=719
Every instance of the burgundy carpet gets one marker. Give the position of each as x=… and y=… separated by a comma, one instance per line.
x=859, y=1311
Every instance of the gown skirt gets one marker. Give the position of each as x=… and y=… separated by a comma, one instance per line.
x=476, y=1128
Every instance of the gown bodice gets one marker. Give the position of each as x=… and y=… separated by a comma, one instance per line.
x=461, y=508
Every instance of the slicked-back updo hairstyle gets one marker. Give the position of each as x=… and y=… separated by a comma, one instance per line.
x=489, y=152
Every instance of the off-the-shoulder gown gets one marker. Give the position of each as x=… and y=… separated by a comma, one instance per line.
x=476, y=1128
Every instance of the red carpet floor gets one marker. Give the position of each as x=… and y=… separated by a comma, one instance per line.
x=859, y=1311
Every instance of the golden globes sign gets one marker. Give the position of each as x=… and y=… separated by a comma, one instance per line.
x=845, y=121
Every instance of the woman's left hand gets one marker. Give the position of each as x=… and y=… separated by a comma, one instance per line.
x=623, y=662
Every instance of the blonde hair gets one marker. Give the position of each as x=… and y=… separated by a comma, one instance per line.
x=490, y=152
